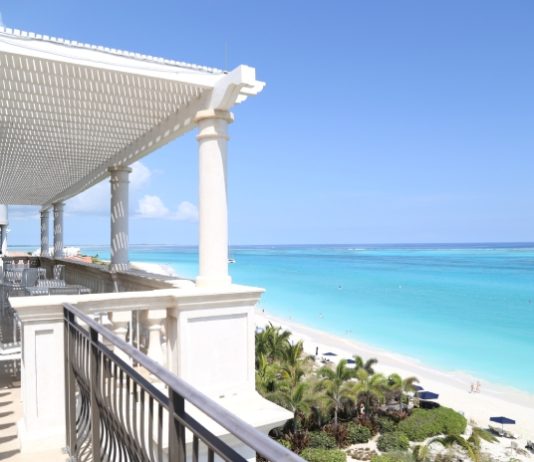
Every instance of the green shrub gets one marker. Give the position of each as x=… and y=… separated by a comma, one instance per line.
x=321, y=440
x=424, y=423
x=285, y=443
x=451, y=421
x=394, y=456
x=357, y=433
x=393, y=441
x=386, y=425
x=323, y=455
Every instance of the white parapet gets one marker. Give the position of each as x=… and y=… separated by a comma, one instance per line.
x=210, y=344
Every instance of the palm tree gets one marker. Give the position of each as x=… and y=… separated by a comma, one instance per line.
x=294, y=364
x=366, y=365
x=471, y=445
x=266, y=376
x=296, y=399
x=336, y=387
x=369, y=386
x=398, y=387
x=272, y=342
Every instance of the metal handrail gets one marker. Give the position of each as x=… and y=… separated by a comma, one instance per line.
x=243, y=431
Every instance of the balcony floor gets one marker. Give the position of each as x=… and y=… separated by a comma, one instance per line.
x=10, y=414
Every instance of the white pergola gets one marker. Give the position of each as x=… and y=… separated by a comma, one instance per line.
x=72, y=114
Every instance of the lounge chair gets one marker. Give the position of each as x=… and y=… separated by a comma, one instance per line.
x=498, y=431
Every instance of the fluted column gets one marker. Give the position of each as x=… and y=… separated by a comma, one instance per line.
x=119, y=218
x=58, y=229
x=213, y=205
x=44, y=233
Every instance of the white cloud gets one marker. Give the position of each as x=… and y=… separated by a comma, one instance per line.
x=23, y=212
x=187, y=211
x=95, y=200
x=140, y=175
x=153, y=207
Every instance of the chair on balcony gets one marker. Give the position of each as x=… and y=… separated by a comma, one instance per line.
x=30, y=277
x=59, y=272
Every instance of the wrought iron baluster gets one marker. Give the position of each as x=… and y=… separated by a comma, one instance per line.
x=95, y=411
x=176, y=429
x=115, y=401
x=195, y=449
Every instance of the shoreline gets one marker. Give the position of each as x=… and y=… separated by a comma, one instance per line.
x=452, y=386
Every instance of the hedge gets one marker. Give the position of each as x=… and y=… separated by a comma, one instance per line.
x=386, y=425
x=357, y=433
x=393, y=441
x=323, y=455
x=424, y=423
x=321, y=440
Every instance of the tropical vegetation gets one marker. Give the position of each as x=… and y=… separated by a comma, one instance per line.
x=334, y=406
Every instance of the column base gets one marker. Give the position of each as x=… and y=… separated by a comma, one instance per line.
x=209, y=281
x=46, y=438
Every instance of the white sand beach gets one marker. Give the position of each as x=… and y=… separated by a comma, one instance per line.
x=154, y=268
x=453, y=387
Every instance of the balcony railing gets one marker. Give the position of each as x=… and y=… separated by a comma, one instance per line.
x=115, y=412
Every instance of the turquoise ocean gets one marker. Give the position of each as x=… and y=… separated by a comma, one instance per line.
x=455, y=307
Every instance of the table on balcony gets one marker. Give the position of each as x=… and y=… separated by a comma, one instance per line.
x=67, y=289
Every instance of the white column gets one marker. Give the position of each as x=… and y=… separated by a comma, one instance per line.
x=58, y=229
x=44, y=233
x=3, y=228
x=213, y=205
x=119, y=217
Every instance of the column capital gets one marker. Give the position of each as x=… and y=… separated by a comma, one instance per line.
x=58, y=205
x=119, y=168
x=214, y=114
x=45, y=212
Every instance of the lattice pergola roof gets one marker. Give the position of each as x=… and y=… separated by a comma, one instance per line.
x=68, y=111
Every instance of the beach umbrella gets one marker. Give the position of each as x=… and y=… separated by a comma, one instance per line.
x=418, y=388
x=427, y=395
x=329, y=353
x=350, y=361
x=502, y=420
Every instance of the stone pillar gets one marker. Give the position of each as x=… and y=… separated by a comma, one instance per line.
x=213, y=205
x=45, y=252
x=58, y=229
x=42, y=426
x=119, y=218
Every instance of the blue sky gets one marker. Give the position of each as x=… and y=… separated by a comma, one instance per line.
x=381, y=121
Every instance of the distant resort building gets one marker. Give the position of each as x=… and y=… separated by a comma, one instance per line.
x=117, y=363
